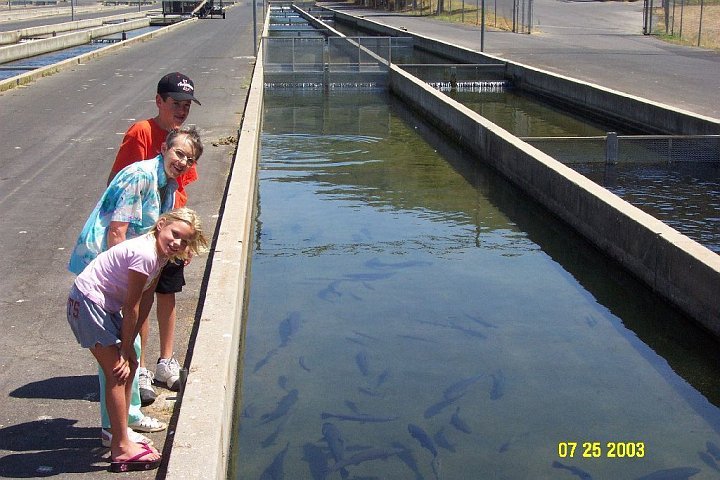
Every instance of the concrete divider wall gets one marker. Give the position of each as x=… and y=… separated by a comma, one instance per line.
x=673, y=265
x=48, y=70
x=591, y=99
x=23, y=50
x=205, y=428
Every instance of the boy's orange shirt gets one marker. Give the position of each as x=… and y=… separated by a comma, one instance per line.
x=143, y=141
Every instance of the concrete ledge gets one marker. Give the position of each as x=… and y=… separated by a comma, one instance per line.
x=14, y=36
x=23, y=50
x=29, y=77
x=676, y=267
x=591, y=99
x=205, y=425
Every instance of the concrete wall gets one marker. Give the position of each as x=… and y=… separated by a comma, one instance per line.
x=618, y=107
x=33, y=75
x=38, y=47
x=673, y=265
x=14, y=36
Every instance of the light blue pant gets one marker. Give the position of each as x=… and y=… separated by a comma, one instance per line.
x=134, y=415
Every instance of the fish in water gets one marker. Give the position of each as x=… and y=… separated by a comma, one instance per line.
x=421, y=436
x=282, y=408
x=480, y=321
x=459, y=388
x=713, y=450
x=364, y=456
x=275, y=471
x=360, y=417
x=376, y=263
x=362, y=362
x=498, y=385
x=303, y=365
x=459, y=423
x=264, y=360
x=330, y=292
x=679, y=473
x=709, y=461
x=270, y=439
x=580, y=473
x=331, y=435
x=442, y=441
x=408, y=459
x=438, y=407
x=289, y=326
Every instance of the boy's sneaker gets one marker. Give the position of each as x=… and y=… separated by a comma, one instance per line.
x=145, y=381
x=167, y=373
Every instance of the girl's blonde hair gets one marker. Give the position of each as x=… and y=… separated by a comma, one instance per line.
x=198, y=243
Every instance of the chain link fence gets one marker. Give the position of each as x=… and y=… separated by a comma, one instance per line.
x=693, y=22
x=510, y=15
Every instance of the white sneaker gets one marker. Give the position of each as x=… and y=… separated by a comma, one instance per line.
x=148, y=425
x=167, y=373
x=106, y=437
x=147, y=392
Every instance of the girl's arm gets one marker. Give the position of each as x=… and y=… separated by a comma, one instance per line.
x=129, y=328
x=117, y=231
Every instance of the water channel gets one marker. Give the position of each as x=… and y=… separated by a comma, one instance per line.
x=412, y=315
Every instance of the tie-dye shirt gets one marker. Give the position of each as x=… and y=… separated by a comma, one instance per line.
x=132, y=197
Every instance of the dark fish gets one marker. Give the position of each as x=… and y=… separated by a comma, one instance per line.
x=364, y=335
x=680, y=473
x=421, y=436
x=289, y=327
x=442, y=441
x=406, y=456
x=458, y=422
x=357, y=341
x=316, y=460
x=436, y=408
x=467, y=331
x=301, y=361
x=419, y=339
x=709, y=460
x=248, y=411
x=283, y=382
x=713, y=450
x=480, y=321
x=275, y=471
x=459, y=388
x=362, y=362
x=371, y=393
x=282, y=408
x=498, y=385
x=376, y=263
x=266, y=359
x=335, y=442
x=574, y=470
x=361, y=417
x=270, y=439
x=382, y=378
x=364, y=456
x=367, y=277
x=352, y=406
x=330, y=292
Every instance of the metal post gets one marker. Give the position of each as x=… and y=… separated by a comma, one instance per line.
x=482, y=27
x=72, y=11
x=702, y=5
x=255, y=35
x=611, y=148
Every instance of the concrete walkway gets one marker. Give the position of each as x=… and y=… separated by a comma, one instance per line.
x=59, y=136
x=597, y=42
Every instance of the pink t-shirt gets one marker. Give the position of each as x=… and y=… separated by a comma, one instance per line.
x=105, y=280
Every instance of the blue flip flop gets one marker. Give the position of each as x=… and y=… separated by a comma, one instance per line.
x=135, y=463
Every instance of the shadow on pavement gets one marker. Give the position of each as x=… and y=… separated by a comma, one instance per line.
x=81, y=387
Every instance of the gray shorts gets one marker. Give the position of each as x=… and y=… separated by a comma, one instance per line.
x=91, y=324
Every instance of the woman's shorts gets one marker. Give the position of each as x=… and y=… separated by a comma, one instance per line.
x=172, y=278
x=91, y=324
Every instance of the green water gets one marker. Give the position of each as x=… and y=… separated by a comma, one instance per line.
x=395, y=279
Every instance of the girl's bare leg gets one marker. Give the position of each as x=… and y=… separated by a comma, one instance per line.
x=117, y=397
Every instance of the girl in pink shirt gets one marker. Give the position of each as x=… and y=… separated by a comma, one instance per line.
x=103, y=311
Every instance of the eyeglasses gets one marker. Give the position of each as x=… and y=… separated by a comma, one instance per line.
x=182, y=156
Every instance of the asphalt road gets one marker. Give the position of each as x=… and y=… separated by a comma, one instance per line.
x=597, y=42
x=59, y=136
